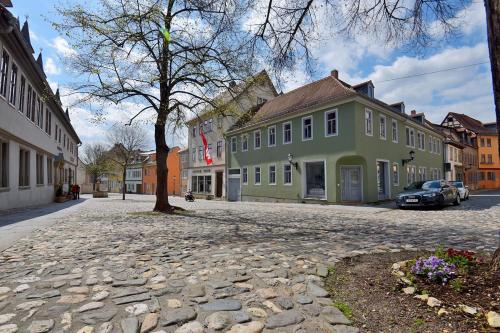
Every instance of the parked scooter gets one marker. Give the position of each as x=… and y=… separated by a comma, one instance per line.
x=189, y=196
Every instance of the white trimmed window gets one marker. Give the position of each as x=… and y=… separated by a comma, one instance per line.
x=271, y=136
x=13, y=85
x=22, y=90
x=383, y=127
x=307, y=128
x=4, y=79
x=24, y=167
x=234, y=144
x=411, y=174
x=421, y=141
x=244, y=175
x=410, y=137
x=368, y=122
x=395, y=174
x=287, y=133
x=39, y=169
x=272, y=174
x=244, y=142
x=256, y=139
x=394, y=131
x=287, y=174
x=331, y=123
x=256, y=175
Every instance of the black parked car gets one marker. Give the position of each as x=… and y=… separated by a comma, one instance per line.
x=428, y=193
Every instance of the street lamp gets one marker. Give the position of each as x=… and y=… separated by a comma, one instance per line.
x=408, y=160
x=290, y=160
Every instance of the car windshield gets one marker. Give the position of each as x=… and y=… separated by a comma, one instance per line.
x=415, y=186
x=458, y=184
x=428, y=185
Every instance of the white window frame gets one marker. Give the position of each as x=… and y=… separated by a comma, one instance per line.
x=291, y=132
x=384, y=137
x=269, y=136
x=234, y=148
x=395, y=139
x=368, y=112
x=312, y=128
x=284, y=174
x=244, y=171
x=255, y=175
x=336, y=133
x=255, y=140
x=395, y=182
x=269, y=174
x=244, y=138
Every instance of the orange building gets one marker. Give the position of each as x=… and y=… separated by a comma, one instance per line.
x=489, y=161
x=149, y=185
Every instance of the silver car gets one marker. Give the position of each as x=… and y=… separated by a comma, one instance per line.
x=462, y=189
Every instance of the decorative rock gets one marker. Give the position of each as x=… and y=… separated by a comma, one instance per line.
x=9, y=328
x=303, y=299
x=316, y=290
x=90, y=306
x=433, y=302
x=150, y=322
x=174, y=303
x=442, y=312
x=5, y=318
x=72, y=299
x=290, y=317
x=468, y=309
x=86, y=329
x=272, y=306
x=493, y=319
x=266, y=293
x=41, y=326
x=137, y=309
x=222, y=305
x=130, y=325
x=192, y=327
x=100, y=295
x=423, y=297
x=409, y=290
x=29, y=305
x=240, y=317
x=22, y=287
x=178, y=316
x=257, y=312
x=251, y=327
x=217, y=321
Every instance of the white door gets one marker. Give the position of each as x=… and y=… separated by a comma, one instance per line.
x=234, y=185
x=351, y=183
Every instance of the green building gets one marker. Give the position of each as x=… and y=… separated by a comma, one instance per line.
x=329, y=141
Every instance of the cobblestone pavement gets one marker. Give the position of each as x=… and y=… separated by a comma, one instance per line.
x=112, y=266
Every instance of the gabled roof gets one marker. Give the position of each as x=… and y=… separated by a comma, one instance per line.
x=470, y=123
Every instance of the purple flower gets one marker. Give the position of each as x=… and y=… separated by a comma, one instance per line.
x=434, y=269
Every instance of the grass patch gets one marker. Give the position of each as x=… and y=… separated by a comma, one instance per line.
x=419, y=322
x=344, y=308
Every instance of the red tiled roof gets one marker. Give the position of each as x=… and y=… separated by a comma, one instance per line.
x=472, y=124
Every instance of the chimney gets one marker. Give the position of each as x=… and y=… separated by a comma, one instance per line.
x=335, y=73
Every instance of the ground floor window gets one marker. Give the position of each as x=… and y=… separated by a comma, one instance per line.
x=24, y=167
x=244, y=172
x=422, y=174
x=492, y=175
x=50, y=170
x=39, y=169
x=411, y=174
x=201, y=184
x=395, y=174
x=315, y=179
x=257, y=175
x=272, y=174
x=4, y=164
x=287, y=174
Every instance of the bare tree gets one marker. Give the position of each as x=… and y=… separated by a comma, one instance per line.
x=94, y=157
x=169, y=56
x=127, y=142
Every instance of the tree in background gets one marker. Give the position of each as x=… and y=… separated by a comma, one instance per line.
x=95, y=159
x=170, y=56
x=127, y=142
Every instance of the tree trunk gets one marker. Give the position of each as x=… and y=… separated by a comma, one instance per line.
x=124, y=178
x=162, y=150
x=493, y=28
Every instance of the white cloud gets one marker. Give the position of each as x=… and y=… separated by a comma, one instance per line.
x=62, y=47
x=51, y=67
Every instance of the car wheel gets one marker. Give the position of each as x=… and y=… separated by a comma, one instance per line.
x=457, y=201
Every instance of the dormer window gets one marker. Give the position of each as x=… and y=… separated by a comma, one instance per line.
x=370, y=91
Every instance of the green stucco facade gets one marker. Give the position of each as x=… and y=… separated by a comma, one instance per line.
x=349, y=147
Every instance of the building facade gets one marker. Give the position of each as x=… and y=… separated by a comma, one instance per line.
x=184, y=158
x=38, y=144
x=329, y=141
x=133, y=181
x=489, y=161
x=149, y=181
x=210, y=180
x=453, y=154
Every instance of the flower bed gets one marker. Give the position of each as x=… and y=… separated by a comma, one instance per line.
x=453, y=280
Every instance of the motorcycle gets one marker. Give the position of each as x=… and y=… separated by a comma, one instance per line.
x=189, y=196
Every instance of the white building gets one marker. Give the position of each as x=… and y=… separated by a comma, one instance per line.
x=38, y=145
x=210, y=180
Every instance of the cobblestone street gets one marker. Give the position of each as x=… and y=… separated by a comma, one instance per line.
x=113, y=266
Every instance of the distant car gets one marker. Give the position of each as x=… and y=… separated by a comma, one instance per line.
x=462, y=189
x=435, y=193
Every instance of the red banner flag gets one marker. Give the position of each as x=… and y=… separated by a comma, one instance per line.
x=207, y=156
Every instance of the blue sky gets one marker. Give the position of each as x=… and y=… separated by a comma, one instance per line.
x=466, y=90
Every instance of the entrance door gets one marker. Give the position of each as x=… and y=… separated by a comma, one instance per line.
x=382, y=180
x=233, y=185
x=218, y=183
x=315, y=180
x=351, y=183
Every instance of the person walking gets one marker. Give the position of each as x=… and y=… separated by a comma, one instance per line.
x=77, y=191
x=74, y=191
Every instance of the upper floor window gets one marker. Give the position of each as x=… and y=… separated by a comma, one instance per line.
x=48, y=122
x=331, y=124
x=234, y=144
x=219, y=149
x=201, y=154
x=368, y=122
x=490, y=159
x=307, y=128
x=482, y=142
x=28, y=104
x=394, y=130
x=256, y=139
x=21, y=94
x=33, y=105
x=421, y=140
x=193, y=154
x=13, y=85
x=383, y=127
x=488, y=142
x=410, y=137
x=271, y=136
x=5, y=72
x=287, y=133
x=39, y=112
x=244, y=142
x=219, y=121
